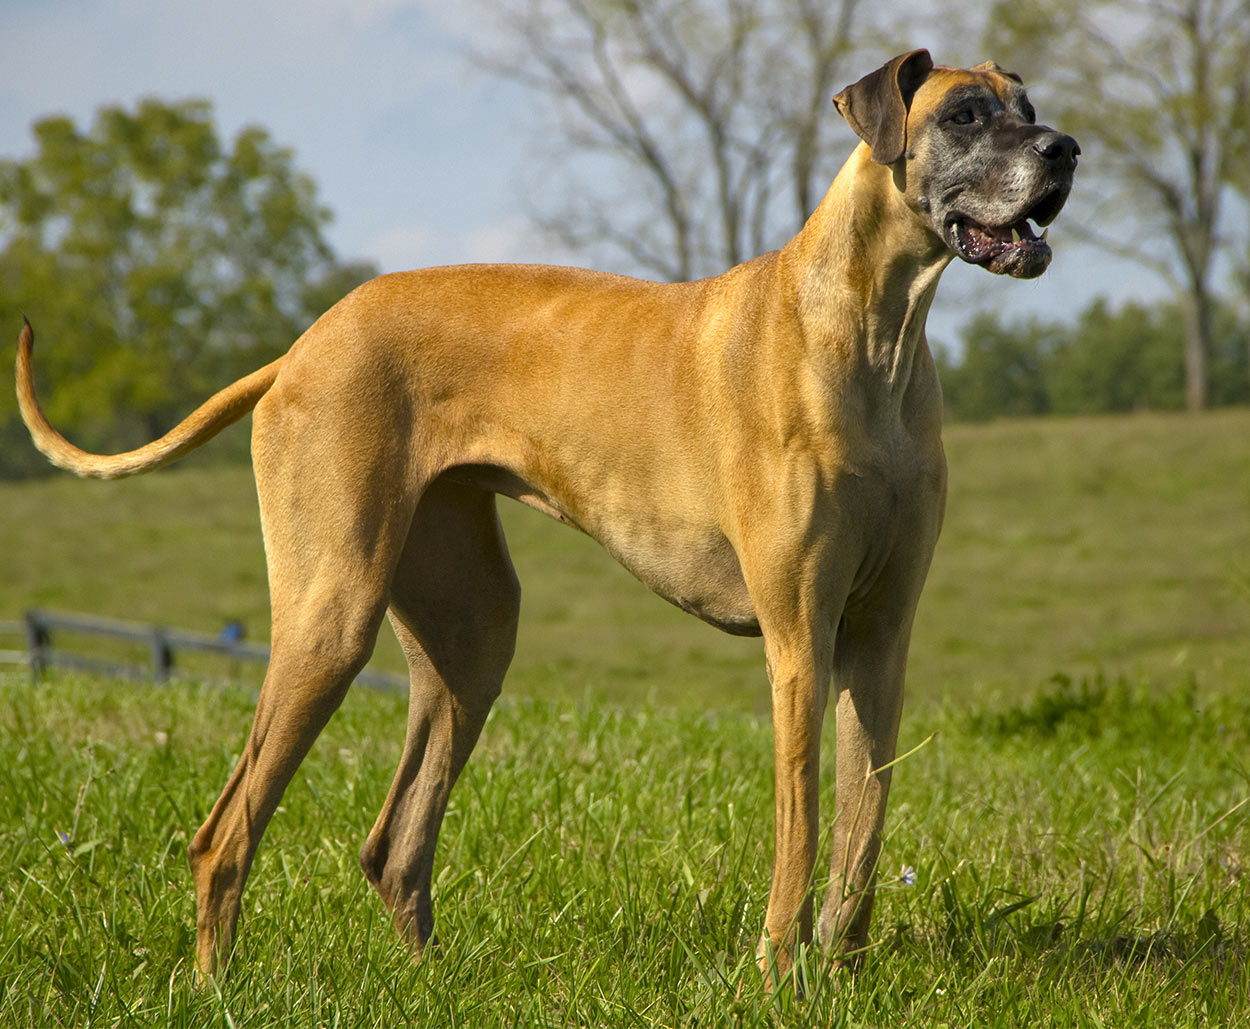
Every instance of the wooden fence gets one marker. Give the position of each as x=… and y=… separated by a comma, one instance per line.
x=40, y=631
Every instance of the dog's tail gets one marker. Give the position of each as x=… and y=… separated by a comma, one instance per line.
x=222, y=409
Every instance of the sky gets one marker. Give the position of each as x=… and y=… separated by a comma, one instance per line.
x=420, y=157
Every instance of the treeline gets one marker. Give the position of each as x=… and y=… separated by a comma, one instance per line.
x=157, y=263
x=1109, y=359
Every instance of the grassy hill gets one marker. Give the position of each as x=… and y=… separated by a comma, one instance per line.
x=1071, y=546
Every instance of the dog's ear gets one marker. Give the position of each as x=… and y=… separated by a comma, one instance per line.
x=998, y=69
x=876, y=106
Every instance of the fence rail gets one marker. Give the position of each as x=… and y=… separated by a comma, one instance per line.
x=12, y=630
x=163, y=645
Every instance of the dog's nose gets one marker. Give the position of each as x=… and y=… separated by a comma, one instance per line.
x=1057, y=150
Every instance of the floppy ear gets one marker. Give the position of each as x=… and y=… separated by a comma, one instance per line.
x=876, y=106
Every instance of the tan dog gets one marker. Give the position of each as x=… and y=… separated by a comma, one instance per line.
x=761, y=448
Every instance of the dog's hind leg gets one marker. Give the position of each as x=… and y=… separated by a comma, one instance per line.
x=335, y=520
x=454, y=604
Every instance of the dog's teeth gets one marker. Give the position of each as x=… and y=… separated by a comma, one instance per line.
x=1045, y=233
x=1015, y=234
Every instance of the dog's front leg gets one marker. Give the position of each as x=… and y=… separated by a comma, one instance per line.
x=799, y=672
x=870, y=655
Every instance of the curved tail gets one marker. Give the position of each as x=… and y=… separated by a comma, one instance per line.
x=222, y=409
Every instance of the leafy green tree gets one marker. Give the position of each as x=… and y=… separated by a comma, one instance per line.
x=1118, y=360
x=157, y=264
x=1121, y=359
x=1000, y=371
x=1230, y=357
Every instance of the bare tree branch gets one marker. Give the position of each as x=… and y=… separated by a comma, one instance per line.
x=1169, y=129
x=693, y=121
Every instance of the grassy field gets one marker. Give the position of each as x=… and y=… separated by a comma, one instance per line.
x=1079, y=860
x=1077, y=828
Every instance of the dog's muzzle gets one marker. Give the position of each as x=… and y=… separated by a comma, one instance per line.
x=1013, y=246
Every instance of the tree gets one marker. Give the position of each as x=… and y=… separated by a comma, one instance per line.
x=156, y=264
x=688, y=136
x=1117, y=360
x=1123, y=359
x=1158, y=93
x=1001, y=370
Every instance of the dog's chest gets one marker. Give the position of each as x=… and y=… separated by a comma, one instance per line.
x=690, y=565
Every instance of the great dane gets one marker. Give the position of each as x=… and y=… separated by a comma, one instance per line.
x=762, y=448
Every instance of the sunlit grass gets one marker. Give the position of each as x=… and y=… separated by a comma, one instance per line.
x=1076, y=860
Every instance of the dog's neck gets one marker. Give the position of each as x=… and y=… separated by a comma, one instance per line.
x=865, y=271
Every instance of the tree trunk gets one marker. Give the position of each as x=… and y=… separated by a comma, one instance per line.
x=1197, y=327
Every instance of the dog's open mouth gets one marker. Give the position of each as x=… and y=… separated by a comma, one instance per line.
x=1012, y=249
x=999, y=248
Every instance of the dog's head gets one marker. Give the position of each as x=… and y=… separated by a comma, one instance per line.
x=969, y=156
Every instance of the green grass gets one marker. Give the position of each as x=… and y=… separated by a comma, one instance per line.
x=1080, y=860
x=1078, y=826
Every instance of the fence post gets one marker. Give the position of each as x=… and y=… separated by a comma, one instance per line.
x=36, y=640
x=162, y=656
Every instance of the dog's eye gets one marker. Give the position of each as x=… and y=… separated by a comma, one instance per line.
x=964, y=116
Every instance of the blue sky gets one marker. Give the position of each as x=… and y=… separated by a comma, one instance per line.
x=410, y=149
x=420, y=157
